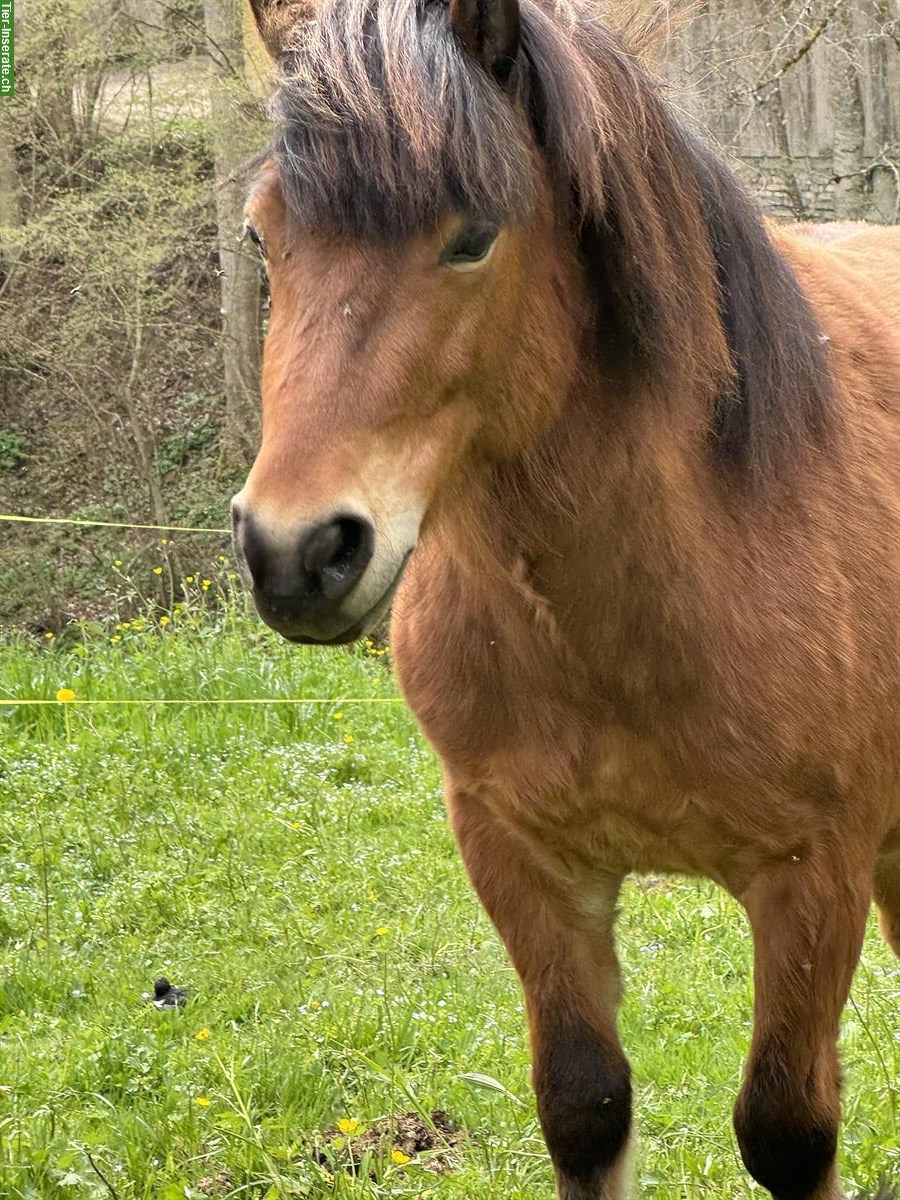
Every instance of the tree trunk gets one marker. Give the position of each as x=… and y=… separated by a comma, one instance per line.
x=238, y=263
x=848, y=153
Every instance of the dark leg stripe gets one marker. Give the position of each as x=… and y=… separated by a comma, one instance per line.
x=785, y=1146
x=583, y=1087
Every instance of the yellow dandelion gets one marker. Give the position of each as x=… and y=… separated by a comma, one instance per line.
x=117, y=562
x=157, y=570
x=348, y=738
x=164, y=541
x=48, y=634
x=188, y=579
x=400, y=1158
x=383, y=930
x=339, y=716
x=202, y=1034
x=232, y=575
x=348, y=1125
x=203, y=1101
x=65, y=695
x=206, y=584
x=373, y=896
x=116, y=637
x=222, y=558
x=164, y=620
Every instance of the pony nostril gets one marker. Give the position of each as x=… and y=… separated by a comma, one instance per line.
x=335, y=555
x=324, y=547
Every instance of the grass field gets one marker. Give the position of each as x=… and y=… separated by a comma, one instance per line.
x=292, y=867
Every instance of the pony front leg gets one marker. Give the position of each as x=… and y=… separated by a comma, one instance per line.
x=561, y=943
x=808, y=921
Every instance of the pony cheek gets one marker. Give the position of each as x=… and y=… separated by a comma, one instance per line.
x=514, y=416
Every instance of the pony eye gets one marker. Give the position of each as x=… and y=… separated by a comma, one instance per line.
x=253, y=235
x=470, y=247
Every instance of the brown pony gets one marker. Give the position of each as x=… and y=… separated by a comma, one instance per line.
x=629, y=458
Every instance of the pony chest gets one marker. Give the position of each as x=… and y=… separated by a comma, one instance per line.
x=620, y=808
x=640, y=815
x=532, y=736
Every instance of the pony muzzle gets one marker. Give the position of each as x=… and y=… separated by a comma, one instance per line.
x=320, y=582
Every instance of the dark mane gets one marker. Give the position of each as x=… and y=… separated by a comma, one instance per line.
x=383, y=123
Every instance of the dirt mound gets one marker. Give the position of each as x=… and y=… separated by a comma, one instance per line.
x=403, y=1138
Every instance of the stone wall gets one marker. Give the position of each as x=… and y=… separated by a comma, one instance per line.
x=803, y=96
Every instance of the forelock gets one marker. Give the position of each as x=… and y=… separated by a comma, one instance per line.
x=384, y=123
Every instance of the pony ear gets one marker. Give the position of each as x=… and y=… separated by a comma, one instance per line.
x=276, y=20
x=489, y=30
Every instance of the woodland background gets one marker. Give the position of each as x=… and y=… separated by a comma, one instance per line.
x=131, y=315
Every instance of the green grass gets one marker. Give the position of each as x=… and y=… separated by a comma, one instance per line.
x=254, y=854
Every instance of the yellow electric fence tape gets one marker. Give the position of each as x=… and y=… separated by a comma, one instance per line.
x=337, y=701
x=10, y=701
x=110, y=524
